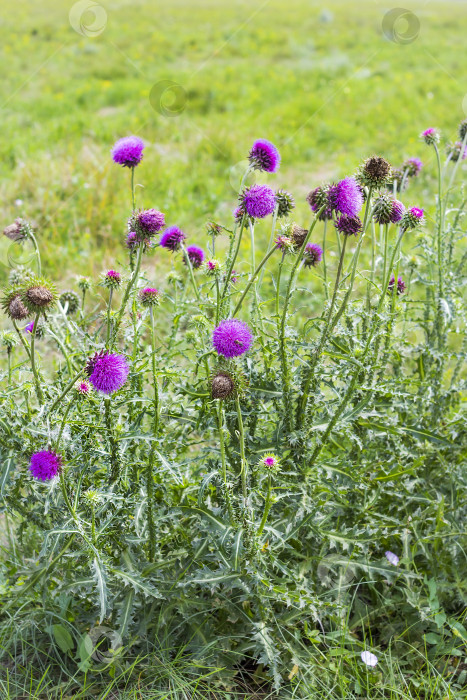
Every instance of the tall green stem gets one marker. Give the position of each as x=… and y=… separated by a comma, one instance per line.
x=155, y=430
x=243, y=461
x=40, y=396
x=109, y=308
x=126, y=295
x=267, y=508
x=38, y=255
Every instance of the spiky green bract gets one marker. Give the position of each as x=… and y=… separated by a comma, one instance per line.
x=20, y=276
x=8, y=340
x=70, y=300
x=227, y=381
x=269, y=463
x=84, y=283
x=40, y=295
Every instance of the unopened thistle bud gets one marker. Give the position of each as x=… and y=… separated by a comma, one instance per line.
x=84, y=283
x=387, y=210
x=213, y=267
x=20, y=276
x=214, y=229
x=412, y=218
x=149, y=296
x=111, y=279
x=269, y=463
x=317, y=198
x=8, y=340
x=284, y=203
x=431, y=136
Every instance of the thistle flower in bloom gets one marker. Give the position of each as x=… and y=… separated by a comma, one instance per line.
x=172, y=238
x=83, y=388
x=70, y=298
x=222, y=385
x=298, y=235
x=270, y=463
x=195, y=256
x=312, y=254
x=387, y=210
x=264, y=156
x=431, y=136
x=284, y=202
x=413, y=166
x=346, y=197
x=13, y=305
x=284, y=243
x=374, y=172
x=149, y=296
x=212, y=267
x=232, y=338
x=368, y=658
x=40, y=296
x=128, y=151
x=348, y=225
x=132, y=241
x=258, y=201
x=107, y=372
x=392, y=558
x=317, y=198
x=19, y=230
x=111, y=279
x=456, y=152
x=400, y=285
x=149, y=222
x=45, y=465
x=412, y=218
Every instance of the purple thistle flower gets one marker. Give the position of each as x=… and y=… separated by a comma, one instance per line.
x=114, y=275
x=238, y=214
x=83, y=388
x=348, y=225
x=417, y=212
x=312, y=254
x=29, y=328
x=131, y=241
x=387, y=210
x=128, y=151
x=232, y=338
x=111, y=279
x=398, y=210
x=149, y=296
x=431, y=136
x=413, y=166
x=195, y=256
x=150, y=221
x=346, y=197
x=45, y=465
x=259, y=201
x=284, y=243
x=172, y=238
x=400, y=285
x=270, y=462
x=264, y=156
x=412, y=219
x=392, y=558
x=106, y=372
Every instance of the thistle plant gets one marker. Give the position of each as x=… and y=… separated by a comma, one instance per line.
x=198, y=446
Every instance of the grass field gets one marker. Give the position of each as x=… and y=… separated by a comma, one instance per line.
x=322, y=82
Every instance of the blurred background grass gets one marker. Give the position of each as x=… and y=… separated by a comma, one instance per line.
x=321, y=80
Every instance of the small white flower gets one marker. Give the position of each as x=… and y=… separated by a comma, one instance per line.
x=392, y=558
x=368, y=658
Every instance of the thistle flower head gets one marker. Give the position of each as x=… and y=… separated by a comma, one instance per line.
x=264, y=156
x=195, y=256
x=298, y=235
x=111, y=279
x=13, y=305
x=45, y=465
x=348, y=225
x=456, y=151
x=107, y=372
x=413, y=166
x=91, y=498
x=19, y=230
x=374, y=172
x=387, y=210
x=172, y=238
x=284, y=243
x=431, y=136
x=284, y=202
x=269, y=463
x=412, y=218
x=84, y=283
x=69, y=300
x=149, y=222
x=346, y=197
x=258, y=201
x=400, y=285
x=213, y=267
x=132, y=241
x=83, y=388
x=39, y=296
x=149, y=296
x=8, y=340
x=318, y=198
x=232, y=338
x=239, y=213
x=128, y=151
x=312, y=254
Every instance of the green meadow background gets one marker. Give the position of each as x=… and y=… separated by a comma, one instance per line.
x=322, y=81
